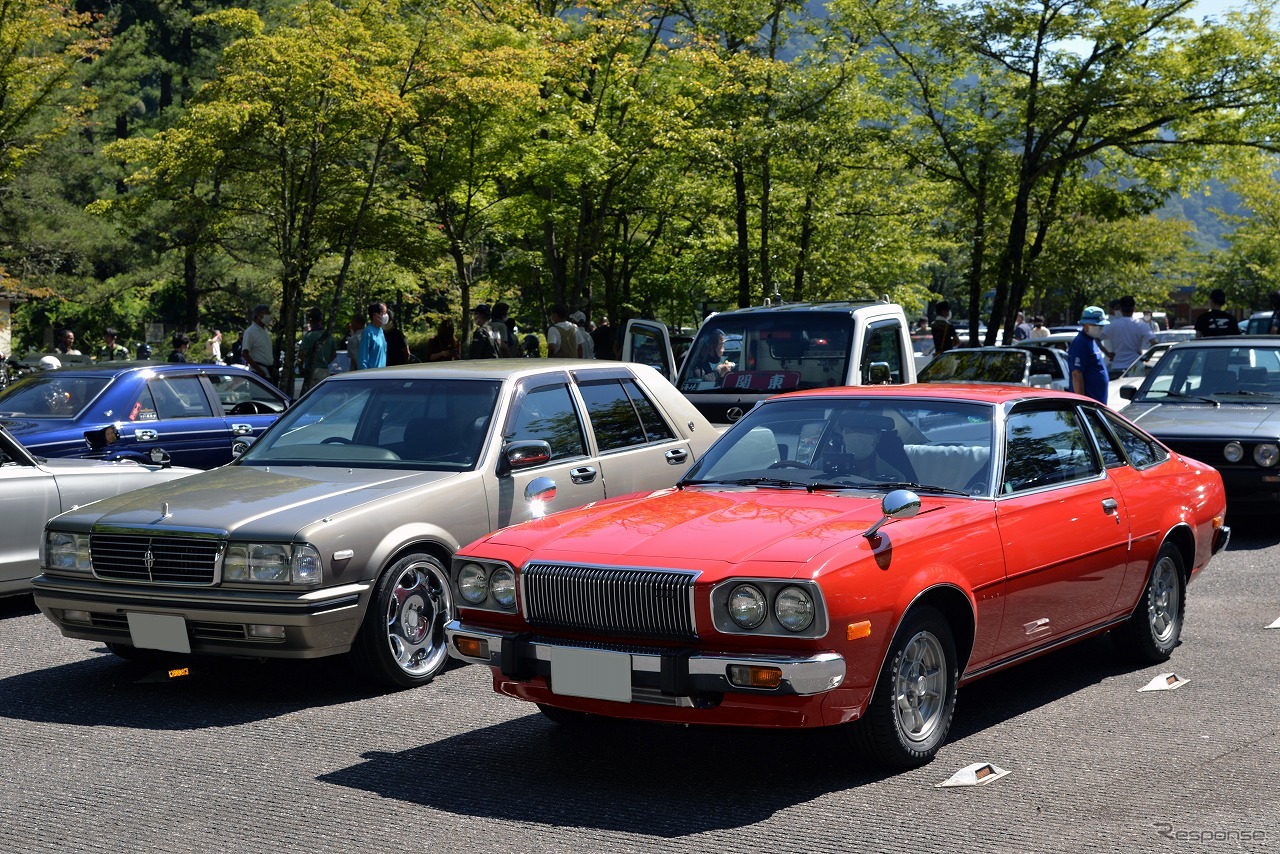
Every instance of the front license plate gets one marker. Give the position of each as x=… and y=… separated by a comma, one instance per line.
x=594, y=673
x=158, y=631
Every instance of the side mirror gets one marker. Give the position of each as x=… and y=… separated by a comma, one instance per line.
x=239, y=446
x=159, y=457
x=878, y=373
x=525, y=454
x=540, y=492
x=1128, y=392
x=899, y=504
x=102, y=437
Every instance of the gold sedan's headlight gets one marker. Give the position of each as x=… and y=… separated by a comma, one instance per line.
x=67, y=551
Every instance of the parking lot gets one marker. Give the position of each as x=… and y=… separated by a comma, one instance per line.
x=100, y=755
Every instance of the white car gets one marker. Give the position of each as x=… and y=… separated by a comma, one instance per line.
x=1134, y=374
x=34, y=489
x=1040, y=367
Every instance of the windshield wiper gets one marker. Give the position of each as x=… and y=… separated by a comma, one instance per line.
x=1191, y=397
x=748, y=481
x=916, y=487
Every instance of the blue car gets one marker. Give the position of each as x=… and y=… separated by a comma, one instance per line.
x=124, y=409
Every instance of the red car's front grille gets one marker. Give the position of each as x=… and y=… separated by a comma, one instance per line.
x=630, y=603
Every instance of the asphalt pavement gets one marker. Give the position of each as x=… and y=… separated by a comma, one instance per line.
x=97, y=754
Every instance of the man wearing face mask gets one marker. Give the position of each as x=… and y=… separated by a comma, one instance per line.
x=256, y=347
x=872, y=450
x=1084, y=356
x=373, y=343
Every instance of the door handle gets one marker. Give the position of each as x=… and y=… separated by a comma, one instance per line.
x=584, y=474
x=676, y=457
x=241, y=429
x=146, y=435
x=1111, y=507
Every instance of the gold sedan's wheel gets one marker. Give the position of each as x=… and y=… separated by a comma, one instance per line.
x=402, y=642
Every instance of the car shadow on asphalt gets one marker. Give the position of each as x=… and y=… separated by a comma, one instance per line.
x=17, y=606
x=176, y=694
x=673, y=781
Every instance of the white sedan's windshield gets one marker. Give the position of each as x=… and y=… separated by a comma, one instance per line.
x=1218, y=375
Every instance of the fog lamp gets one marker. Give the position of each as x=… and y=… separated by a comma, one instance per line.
x=266, y=632
x=752, y=676
x=76, y=616
x=471, y=647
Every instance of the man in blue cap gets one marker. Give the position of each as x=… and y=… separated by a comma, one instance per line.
x=1085, y=358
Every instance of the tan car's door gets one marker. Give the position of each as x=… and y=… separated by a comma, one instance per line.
x=637, y=449
x=544, y=409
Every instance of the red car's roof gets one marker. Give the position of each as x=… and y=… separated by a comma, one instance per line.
x=978, y=393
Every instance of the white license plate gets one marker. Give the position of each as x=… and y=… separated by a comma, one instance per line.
x=158, y=631
x=594, y=673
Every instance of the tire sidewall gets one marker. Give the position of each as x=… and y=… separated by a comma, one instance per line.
x=902, y=750
x=372, y=652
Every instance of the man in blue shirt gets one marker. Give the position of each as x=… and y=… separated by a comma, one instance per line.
x=373, y=343
x=1084, y=357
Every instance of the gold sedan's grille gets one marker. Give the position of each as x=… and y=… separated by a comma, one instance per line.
x=636, y=603
x=154, y=560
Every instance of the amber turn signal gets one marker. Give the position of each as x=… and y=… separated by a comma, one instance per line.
x=472, y=647
x=751, y=676
x=861, y=629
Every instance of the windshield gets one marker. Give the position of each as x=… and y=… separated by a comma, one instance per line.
x=854, y=442
x=426, y=424
x=768, y=353
x=51, y=395
x=977, y=366
x=1240, y=374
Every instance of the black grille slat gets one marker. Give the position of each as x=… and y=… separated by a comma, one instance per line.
x=646, y=603
x=174, y=560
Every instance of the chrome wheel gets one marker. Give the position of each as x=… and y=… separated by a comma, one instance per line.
x=417, y=607
x=1164, y=601
x=920, y=687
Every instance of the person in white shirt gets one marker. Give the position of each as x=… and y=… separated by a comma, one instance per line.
x=1127, y=337
x=585, y=345
x=1038, y=329
x=562, y=335
x=257, y=349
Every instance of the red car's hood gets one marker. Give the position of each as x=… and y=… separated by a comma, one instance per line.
x=671, y=527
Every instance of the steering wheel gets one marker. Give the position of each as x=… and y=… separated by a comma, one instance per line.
x=790, y=464
x=335, y=440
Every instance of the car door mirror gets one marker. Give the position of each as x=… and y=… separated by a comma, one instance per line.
x=899, y=504
x=541, y=490
x=525, y=454
x=879, y=374
x=239, y=446
x=102, y=437
x=159, y=457
x=1129, y=392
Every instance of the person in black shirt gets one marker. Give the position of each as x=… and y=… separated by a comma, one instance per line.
x=180, y=344
x=1215, y=322
x=944, y=334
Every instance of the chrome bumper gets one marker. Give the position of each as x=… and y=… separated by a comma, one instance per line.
x=655, y=674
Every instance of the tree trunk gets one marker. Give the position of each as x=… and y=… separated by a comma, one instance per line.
x=740, y=220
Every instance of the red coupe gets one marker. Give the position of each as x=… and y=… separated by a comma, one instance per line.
x=848, y=557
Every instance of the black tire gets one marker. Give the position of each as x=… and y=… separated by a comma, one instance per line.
x=402, y=643
x=1155, y=626
x=914, y=700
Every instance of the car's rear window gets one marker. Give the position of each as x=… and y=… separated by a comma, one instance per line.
x=51, y=395
x=427, y=424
